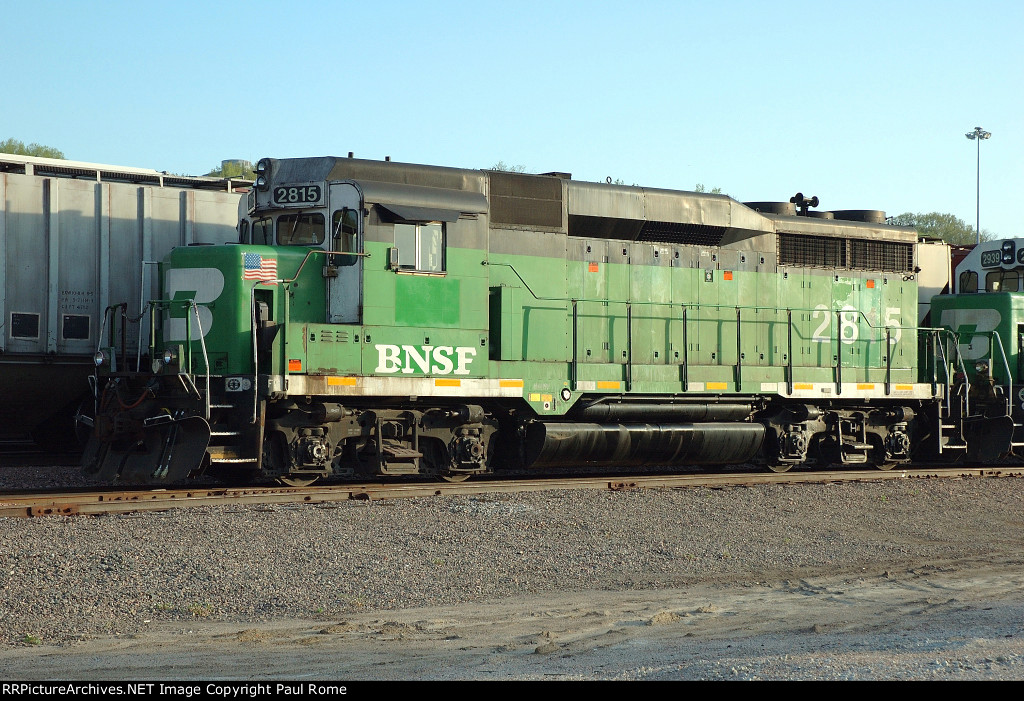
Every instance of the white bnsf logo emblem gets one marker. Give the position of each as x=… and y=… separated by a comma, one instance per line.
x=425, y=360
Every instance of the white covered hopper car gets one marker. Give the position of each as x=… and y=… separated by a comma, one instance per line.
x=74, y=238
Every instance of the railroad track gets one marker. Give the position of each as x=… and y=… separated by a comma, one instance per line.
x=20, y=453
x=119, y=501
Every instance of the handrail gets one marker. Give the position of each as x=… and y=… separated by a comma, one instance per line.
x=319, y=251
x=186, y=363
x=255, y=350
x=839, y=351
x=941, y=349
x=206, y=357
x=95, y=368
x=862, y=318
x=958, y=359
x=1006, y=365
x=573, y=365
x=152, y=328
x=699, y=304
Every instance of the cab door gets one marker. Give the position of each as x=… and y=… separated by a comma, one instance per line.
x=345, y=270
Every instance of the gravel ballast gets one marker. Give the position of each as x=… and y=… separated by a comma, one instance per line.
x=68, y=580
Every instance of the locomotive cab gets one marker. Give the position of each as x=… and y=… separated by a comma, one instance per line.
x=326, y=217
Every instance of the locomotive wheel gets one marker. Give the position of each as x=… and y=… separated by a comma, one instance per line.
x=780, y=467
x=885, y=466
x=435, y=456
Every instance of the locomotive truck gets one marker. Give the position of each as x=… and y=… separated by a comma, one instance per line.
x=382, y=319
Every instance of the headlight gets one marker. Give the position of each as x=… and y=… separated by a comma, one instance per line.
x=262, y=174
x=100, y=359
x=170, y=356
x=981, y=367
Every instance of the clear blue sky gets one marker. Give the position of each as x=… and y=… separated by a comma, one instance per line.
x=864, y=104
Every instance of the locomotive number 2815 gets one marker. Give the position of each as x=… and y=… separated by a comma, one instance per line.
x=297, y=194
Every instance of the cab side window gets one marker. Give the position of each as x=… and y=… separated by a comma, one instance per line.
x=1002, y=281
x=344, y=228
x=344, y=236
x=421, y=246
x=993, y=281
x=1011, y=280
x=263, y=232
x=968, y=282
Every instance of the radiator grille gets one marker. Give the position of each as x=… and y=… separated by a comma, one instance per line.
x=814, y=251
x=854, y=254
x=882, y=255
x=525, y=200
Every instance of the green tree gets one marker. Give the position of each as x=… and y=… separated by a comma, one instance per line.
x=502, y=165
x=947, y=227
x=19, y=148
x=232, y=169
x=699, y=187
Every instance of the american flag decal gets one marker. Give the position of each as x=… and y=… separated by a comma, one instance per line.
x=256, y=267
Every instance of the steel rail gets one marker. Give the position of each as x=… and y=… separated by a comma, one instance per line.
x=119, y=501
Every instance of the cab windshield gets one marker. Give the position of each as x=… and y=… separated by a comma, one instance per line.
x=1002, y=281
x=300, y=229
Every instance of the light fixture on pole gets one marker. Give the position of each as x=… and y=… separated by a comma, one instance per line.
x=979, y=135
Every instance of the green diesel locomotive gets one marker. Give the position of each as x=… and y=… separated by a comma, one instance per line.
x=378, y=319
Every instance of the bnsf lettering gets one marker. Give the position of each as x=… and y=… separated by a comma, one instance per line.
x=426, y=360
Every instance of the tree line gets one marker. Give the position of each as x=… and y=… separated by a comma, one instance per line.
x=948, y=227
x=19, y=148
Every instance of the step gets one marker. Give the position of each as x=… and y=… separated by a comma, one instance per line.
x=400, y=468
x=219, y=453
x=857, y=446
x=401, y=453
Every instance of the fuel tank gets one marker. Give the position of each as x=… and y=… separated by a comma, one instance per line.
x=641, y=444
x=655, y=412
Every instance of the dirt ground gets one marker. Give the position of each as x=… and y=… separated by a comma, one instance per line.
x=961, y=620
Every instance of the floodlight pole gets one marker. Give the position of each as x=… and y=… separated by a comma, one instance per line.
x=978, y=135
